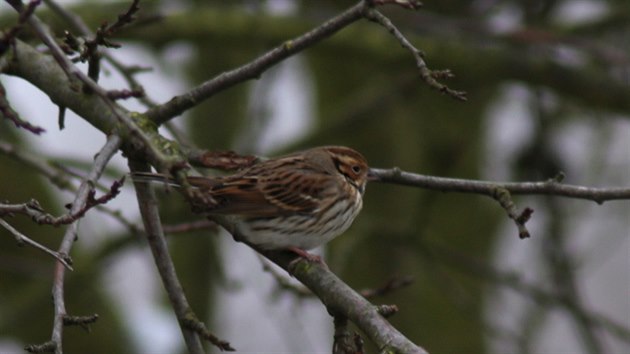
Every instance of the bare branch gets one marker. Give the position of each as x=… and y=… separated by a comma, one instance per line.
x=200, y=328
x=90, y=86
x=178, y=104
x=48, y=347
x=25, y=12
x=504, y=198
x=338, y=297
x=21, y=240
x=9, y=113
x=549, y=187
x=392, y=284
x=189, y=324
x=512, y=280
x=37, y=214
x=82, y=321
x=428, y=76
x=128, y=72
x=100, y=161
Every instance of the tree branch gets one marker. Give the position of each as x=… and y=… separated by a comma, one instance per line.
x=178, y=104
x=338, y=297
x=21, y=240
x=100, y=161
x=364, y=9
x=428, y=76
x=549, y=187
x=192, y=329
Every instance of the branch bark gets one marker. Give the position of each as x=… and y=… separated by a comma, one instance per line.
x=100, y=161
x=549, y=187
x=339, y=298
x=188, y=322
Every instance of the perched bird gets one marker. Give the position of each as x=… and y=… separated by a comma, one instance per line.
x=295, y=202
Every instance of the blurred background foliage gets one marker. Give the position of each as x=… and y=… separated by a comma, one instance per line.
x=366, y=94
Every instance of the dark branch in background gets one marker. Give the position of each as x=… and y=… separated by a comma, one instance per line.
x=540, y=294
x=300, y=291
x=392, y=285
x=364, y=9
x=192, y=329
x=345, y=340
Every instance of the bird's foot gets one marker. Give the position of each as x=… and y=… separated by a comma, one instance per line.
x=303, y=255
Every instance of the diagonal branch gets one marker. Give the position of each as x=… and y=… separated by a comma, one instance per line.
x=22, y=239
x=192, y=329
x=339, y=298
x=363, y=9
x=178, y=104
x=427, y=75
x=100, y=161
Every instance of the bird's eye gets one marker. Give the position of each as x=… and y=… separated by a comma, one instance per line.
x=356, y=169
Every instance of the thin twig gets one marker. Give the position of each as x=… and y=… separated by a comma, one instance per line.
x=102, y=158
x=428, y=76
x=501, y=191
x=22, y=239
x=37, y=214
x=61, y=178
x=82, y=321
x=391, y=285
x=549, y=187
x=7, y=112
x=127, y=72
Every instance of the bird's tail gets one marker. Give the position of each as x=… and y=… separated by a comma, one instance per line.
x=149, y=177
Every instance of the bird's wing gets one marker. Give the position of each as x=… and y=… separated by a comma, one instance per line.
x=290, y=192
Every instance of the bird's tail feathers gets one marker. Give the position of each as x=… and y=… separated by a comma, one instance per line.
x=148, y=177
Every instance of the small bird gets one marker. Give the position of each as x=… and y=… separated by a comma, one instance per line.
x=295, y=202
